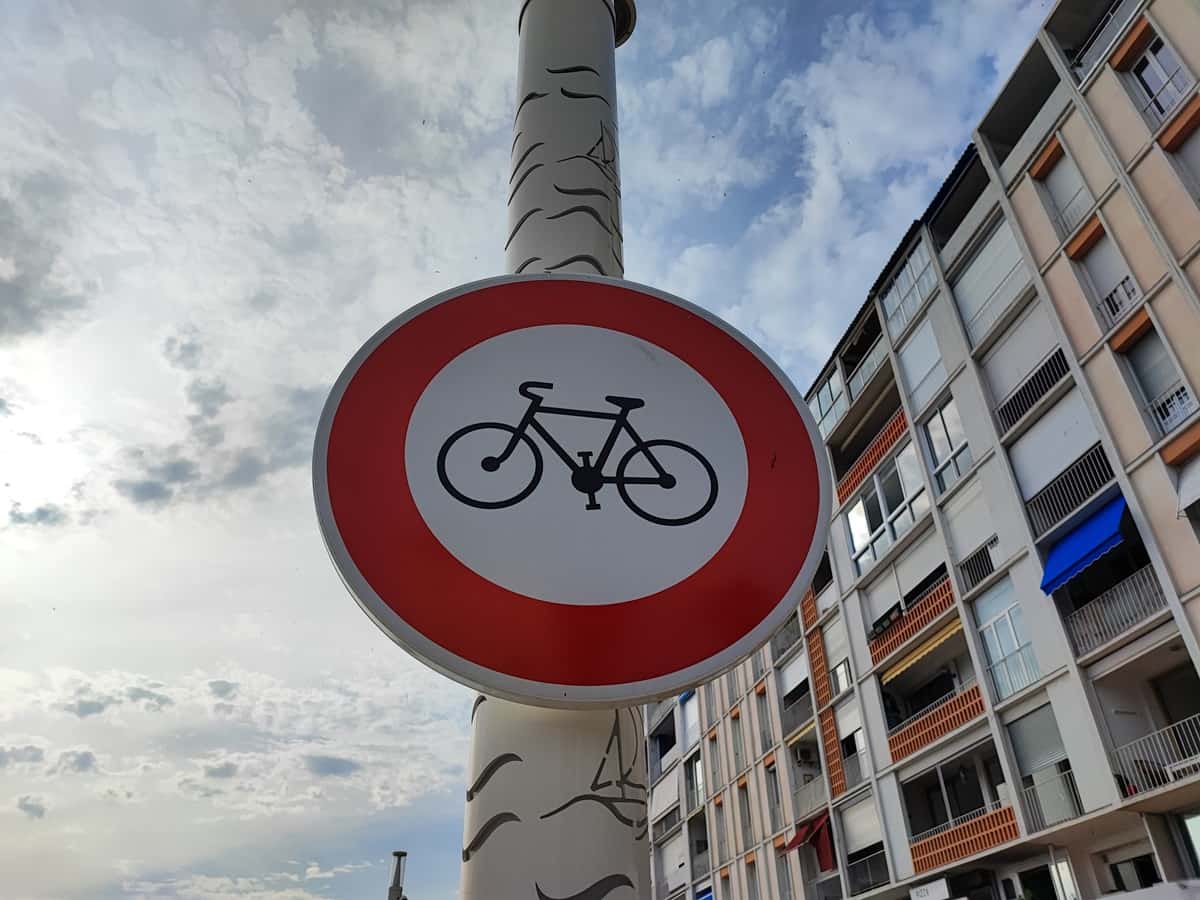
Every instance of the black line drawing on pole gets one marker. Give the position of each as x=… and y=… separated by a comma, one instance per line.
x=492, y=445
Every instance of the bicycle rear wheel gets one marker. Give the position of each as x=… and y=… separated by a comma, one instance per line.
x=687, y=494
x=481, y=479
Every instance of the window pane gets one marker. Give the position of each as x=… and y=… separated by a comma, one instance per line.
x=927, y=282
x=1165, y=56
x=990, y=645
x=1148, y=78
x=1004, y=636
x=1018, y=623
x=910, y=469
x=859, y=530
x=874, y=511
x=893, y=490
x=954, y=428
x=939, y=440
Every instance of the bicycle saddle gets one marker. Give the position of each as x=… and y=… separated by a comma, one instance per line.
x=626, y=403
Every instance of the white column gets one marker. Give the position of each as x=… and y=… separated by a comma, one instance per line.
x=556, y=800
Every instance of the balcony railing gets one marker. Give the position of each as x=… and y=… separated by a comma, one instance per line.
x=1073, y=211
x=1052, y=798
x=1093, y=49
x=1112, y=306
x=867, y=366
x=1014, y=672
x=979, y=565
x=701, y=865
x=866, y=873
x=1077, y=484
x=1114, y=612
x=797, y=714
x=854, y=768
x=952, y=711
x=968, y=834
x=786, y=637
x=1159, y=758
x=1170, y=408
x=923, y=610
x=809, y=797
x=1025, y=396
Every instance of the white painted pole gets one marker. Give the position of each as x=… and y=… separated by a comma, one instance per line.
x=556, y=801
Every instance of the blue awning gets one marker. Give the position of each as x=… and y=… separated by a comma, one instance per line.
x=1090, y=540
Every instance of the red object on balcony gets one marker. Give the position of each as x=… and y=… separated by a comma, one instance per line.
x=971, y=837
x=817, y=832
x=941, y=720
x=923, y=610
x=808, y=609
x=895, y=429
x=833, y=753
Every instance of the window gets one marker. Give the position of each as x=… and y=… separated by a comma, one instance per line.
x=1158, y=82
x=914, y=281
x=733, y=685
x=722, y=840
x=1066, y=196
x=893, y=499
x=1188, y=159
x=1165, y=396
x=752, y=881
x=1011, y=663
x=850, y=735
x=710, y=705
x=783, y=872
x=689, y=709
x=774, y=799
x=765, y=739
x=714, y=761
x=991, y=282
x=744, y=813
x=829, y=402
x=921, y=363
x=837, y=655
x=693, y=774
x=1132, y=874
x=947, y=445
x=759, y=662
x=1113, y=288
x=739, y=748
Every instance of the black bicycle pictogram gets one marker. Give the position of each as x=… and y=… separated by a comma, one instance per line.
x=641, y=477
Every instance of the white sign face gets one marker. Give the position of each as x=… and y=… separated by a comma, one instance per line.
x=610, y=531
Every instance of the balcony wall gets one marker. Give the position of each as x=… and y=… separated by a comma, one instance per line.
x=818, y=669
x=888, y=437
x=973, y=836
x=808, y=609
x=954, y=712
x=926, y=608
x=833, y=754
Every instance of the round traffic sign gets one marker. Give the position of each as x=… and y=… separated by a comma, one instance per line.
x=570, y=491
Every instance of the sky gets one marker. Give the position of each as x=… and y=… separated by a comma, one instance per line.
x=206, y=206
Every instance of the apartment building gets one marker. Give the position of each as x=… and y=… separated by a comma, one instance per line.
x=990, y=689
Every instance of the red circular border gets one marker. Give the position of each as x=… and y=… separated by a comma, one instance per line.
x=619, y=643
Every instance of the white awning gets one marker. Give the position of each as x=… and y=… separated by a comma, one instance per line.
x=1189, y=485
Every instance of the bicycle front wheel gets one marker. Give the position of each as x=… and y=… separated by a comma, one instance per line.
x=686, y=494
x=473, y=469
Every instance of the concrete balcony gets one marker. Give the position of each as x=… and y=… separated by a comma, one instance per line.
x=1051, y=799
x=867, y=873
x=968, y=834
x=1090, y=473
x=950, y=712
x=786, y=637
x=922, y=611
x=1116, y=611
x=891, y=433
x=1159, y=758
x=808, y=798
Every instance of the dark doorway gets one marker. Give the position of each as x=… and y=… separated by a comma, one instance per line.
x=1036, y=884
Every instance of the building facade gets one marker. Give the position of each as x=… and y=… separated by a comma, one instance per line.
x=990, y=689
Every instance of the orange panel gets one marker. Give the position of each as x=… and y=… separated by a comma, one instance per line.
x=1127, y=52
x=938, y=722
x=1044, y=161
x=735, y=713
x=725, y=873
x=779, y=842
x=712, y=735
x=977, y=835
x=1186, y=121
x=1086, y=239
x=808, y=609
x=1184, y=447
x=1139, y=323
x=887, y=438
x=761, y=687
x=750, y=857
x=719, y=800
x=924, y=610
x=818, y=669
x=833, y=754
x=769, y=760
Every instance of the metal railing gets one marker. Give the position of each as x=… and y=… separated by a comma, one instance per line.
x=866, y=873
x=1014, y=672
x=1114, y=612
x=1159, y=107
x=1074, y=486
x=693, y=796
x=786, y=637
x=1159, y=758
x=854, y=769
x=809, y=797
x=1037, y=385
x=834, y=414
x=1112, y=306
x=861, y=376
x=701, y=864
x=990, y=806
x=792, y=717
x=979, y=565
x=1171, y=407
x=1052, y=798
x=961, y=688
x=666, y=824
x=1092, y=50
x=1073, y=210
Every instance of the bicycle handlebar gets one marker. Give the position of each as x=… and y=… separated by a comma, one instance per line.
x=527, y=386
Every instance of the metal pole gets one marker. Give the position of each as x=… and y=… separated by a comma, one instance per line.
x=556, y=804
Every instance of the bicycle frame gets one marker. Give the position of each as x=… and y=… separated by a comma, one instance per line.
x=620, y=422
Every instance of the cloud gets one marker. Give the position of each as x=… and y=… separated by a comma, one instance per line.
x=222, y=770
x=47, y=515
x=184, y=350
x=74, y=762
x=151, y=700
x=5, y=409
x=209, y=396
x=219, y=687
x=331, y=766
x=16, y=756
x=38, y=284
x=32, y=806
x=88, y=703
